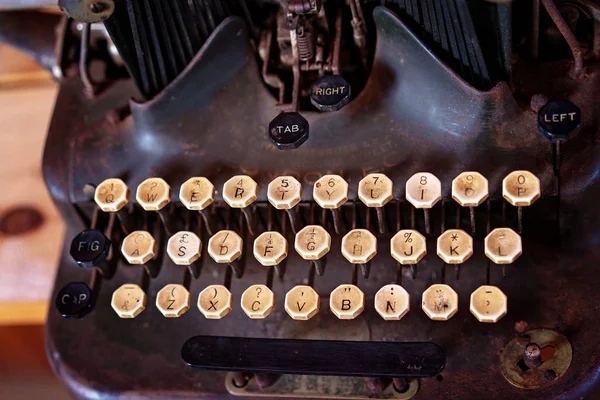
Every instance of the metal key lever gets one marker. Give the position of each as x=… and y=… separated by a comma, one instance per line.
x=314, y=357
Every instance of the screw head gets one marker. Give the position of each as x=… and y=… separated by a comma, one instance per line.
x=288, y=130
x=330, y=93
x=558, y=119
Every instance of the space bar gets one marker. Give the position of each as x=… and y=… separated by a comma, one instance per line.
x=314, y=357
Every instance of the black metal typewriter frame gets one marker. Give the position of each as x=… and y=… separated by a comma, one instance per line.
x=413, y=115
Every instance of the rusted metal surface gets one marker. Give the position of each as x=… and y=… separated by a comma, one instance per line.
x=414, y=114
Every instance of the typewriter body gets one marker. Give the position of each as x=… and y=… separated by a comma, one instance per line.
x=346, y=199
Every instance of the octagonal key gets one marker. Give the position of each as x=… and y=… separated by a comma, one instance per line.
x=154, y=194
x=347, y=301
x=215, y=302
x=330, y=93
x=258, y=301
x=288, y=130
x=225, y=247
x=331, y=191
x=392, y=302
x=75, y=300
x=521, y=189
x=112, y=195
x=173, y=300
x=440, y=302
x=197, y=193
x=470, y=189
x=376, y=190
x=128, y=301
x=90, y=248
x=408, y=247
x=184, y=248
x=313, y=242
x=455, y=246
x=488, y=304
x=270, y=249
x=359, y=246
x=139, y=247
x=284, y=193
x=302, y=303
x=424, y=190
x=240, y=192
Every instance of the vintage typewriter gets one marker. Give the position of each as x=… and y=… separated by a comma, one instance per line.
x=354, y=199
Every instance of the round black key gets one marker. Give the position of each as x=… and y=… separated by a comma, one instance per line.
x=75, y=300
x=288, y=130
x=558, y=118
x=89, y=248
x=330, y=93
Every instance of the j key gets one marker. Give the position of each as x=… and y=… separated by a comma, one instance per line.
x=90, y=248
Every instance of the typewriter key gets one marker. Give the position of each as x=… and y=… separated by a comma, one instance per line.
x=240, y=192
x=258, y=301
x=408, y=247
x=128, y=301
x=270, y=249
x=173, y=300
x=424, y=190
x=154, y=194
x=90, y=248
x=198, y=193
x=112, y=195
x=284, y=193
x=330, y=93
x=184, y=248
x=455, y=246
x=376, y=190
x=74, y=300
x=302, y=303
x=557, y=119
x=347, y=301
x=359, y=246
x=288, y=130
x=503, y=246
x=139, y=247
x=215, y=302
x=488, y=304
x=470, y=189
x=313, y=242
x=225, y=247
x=331, y=191
x=392, y=302
x=521, y=189
x=440, y=302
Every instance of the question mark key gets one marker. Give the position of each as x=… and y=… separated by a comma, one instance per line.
x=488, y=304
x=258, y=301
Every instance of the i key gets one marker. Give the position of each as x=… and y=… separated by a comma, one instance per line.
x=424, y=190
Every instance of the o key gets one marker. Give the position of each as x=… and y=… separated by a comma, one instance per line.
x=347, y=301
x=258, y=301
x=392, y=302
x=470, y=189
x=214, y=302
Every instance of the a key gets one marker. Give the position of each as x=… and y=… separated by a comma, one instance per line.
x=112, y=195
x=424, y=190
x=270, y=249
x=313, y=242
x=521, y=189
x=90, y=248
x=503, y=246
x=330, y=93
x=128, y=301
x=359, y=246
x=331, y=192
x=455, y=246
x=470, y=189
x=198, y=193
x=215, y=302
x=440, y=302
x=488, y=304
x=154, y=194
x=240, y=192
x=347, y=301
x=184, y=248
x=75, y=300
x=392, y=302
x=302, y=303
x=284, y=193
x=173, y=300
x=376, y=190
x=139, y=247
x=225, y=247
x=258, y=301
